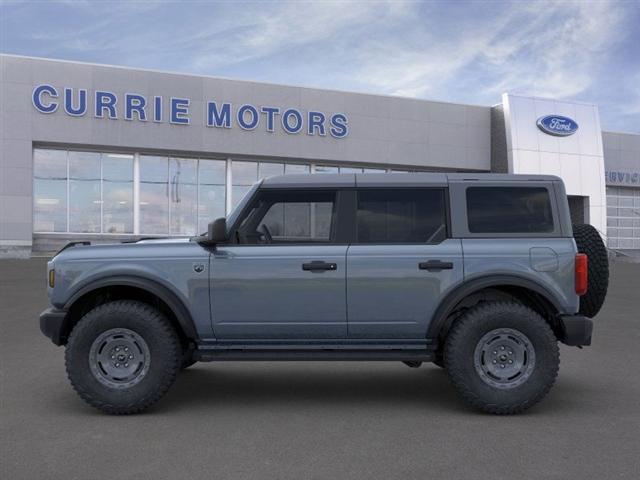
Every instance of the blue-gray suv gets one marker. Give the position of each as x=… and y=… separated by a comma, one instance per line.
x=481, y=274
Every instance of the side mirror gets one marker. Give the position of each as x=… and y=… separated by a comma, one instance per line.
x=217, y=231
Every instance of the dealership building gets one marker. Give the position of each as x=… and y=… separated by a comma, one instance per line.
x=104, y=153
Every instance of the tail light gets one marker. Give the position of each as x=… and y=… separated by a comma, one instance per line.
x=582, y=275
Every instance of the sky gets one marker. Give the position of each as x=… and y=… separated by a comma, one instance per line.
x=456, y=51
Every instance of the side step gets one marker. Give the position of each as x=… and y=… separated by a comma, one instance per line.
x=421, y=351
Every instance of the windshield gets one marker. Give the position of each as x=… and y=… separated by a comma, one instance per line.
x=233, y=216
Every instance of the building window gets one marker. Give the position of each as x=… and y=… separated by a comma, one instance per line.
x=117, y=193
x=183, y=198
x=95, y=193
x=243, y=175
x=49, y=190
x=212, y=180
x=154, y=195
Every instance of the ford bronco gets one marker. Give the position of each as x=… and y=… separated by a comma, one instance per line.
x=482, y=274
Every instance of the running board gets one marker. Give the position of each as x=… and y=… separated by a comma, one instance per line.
x=421, y=351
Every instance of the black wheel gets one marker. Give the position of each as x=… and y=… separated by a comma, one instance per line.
x=187, y=358
x=413, y=364
x=122, y=357
x=588, y=241
x=502, y=357
x=438, y=360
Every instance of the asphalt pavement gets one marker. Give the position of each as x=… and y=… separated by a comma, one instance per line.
x=315, y=420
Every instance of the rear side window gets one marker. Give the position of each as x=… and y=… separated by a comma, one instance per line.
x=401, y=216
x=509, y=210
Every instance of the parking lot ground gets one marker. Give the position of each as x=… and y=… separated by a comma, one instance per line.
x=318, y=420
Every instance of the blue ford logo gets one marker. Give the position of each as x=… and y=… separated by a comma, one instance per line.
x=557, y=125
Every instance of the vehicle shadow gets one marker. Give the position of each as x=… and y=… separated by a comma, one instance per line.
x=319, y=384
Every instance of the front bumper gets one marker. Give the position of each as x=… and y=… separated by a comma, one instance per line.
x=52, y=325
x=575, y=330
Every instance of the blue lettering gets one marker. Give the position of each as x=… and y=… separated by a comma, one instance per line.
x=37, y=98
x=135, y=103
x=82, y=102
x=253, y=113
x=271, y=117
x=157, y=109
x=218, y=118
x=106, y=100
x=179, y=111
x=339, y=125
x=316, y=121
x=286, y=124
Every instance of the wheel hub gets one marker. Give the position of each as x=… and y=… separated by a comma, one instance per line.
x=119, y=358
x=504, y=358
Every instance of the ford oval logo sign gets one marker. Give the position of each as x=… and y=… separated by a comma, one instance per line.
x=557, y=125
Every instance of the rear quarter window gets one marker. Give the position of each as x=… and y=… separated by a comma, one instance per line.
x=509, y=210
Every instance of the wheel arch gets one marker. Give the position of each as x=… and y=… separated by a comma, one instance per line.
x=525, y=290
x=134, y=288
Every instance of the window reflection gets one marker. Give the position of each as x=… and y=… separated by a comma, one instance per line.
x=243, y=175
x=49, y=190
x=212, y=175
x=85, y=204
x=117, y=193
x=154, y=195
x=183, y=196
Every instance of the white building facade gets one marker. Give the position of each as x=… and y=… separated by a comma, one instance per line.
x=102, y=153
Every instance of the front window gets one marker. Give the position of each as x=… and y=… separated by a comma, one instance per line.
x=289, y=217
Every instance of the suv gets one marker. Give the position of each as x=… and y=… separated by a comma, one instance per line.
x=479, y=273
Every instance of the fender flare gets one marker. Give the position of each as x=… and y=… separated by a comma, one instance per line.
x=177, y=306
x=467, y=288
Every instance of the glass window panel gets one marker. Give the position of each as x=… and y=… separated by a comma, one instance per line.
x=374, y=170
x=270, y=169
x=401, y=216
x=85, y=204
x=296, y=168
x=183, y=196
x=290, y=217
x=509, y=210
x=117, y=193
x=154, y=195
x=49, y=190
x=326, y=169
x=237, y=193
x=212, y=192
x=350, y=170
x=244, y=173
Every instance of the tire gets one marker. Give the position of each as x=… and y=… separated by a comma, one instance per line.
x=588, y=241
x=187, y=358
x=113, y=333
x=469, y=357
x=413, y=364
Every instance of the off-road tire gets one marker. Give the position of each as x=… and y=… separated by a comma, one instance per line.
x=165, y=356
x=588, y=241
x=187, y=358
x=466, y=334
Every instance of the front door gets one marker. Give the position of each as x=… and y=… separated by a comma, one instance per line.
x=401, y=263
x=285, y=277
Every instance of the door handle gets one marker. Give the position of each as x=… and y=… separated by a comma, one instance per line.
x=435, y=265
x=319, y=266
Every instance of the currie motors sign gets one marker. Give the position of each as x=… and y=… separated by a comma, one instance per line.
x=74, y=102
x=557, y=125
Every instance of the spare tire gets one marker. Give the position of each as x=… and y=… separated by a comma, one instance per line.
x=589, y=242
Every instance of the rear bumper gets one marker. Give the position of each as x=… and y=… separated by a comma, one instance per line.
x=575, y=330
x=52, y=323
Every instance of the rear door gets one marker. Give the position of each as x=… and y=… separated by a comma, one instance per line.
x=401, y=262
